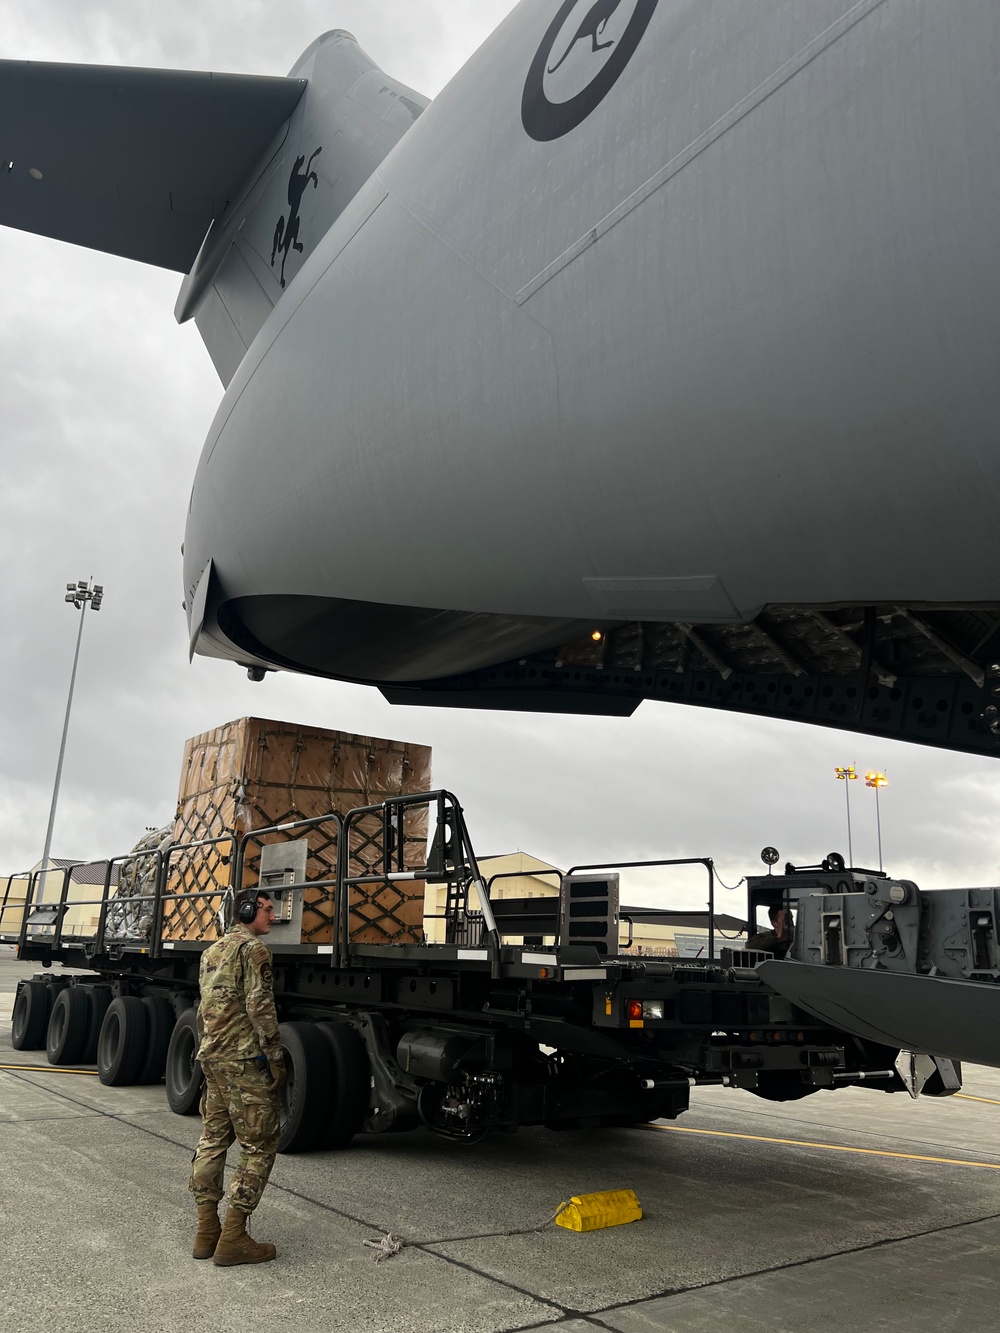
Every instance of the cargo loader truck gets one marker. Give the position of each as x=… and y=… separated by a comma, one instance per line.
x=475, y=1034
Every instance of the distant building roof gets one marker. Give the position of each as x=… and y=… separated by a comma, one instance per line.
x=522, y=861
x=658, y=916
x=86, y=872
x=93, y=873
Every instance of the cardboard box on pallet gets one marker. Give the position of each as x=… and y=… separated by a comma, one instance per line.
x=253, y=773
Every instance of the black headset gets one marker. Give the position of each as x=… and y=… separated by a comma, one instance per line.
x=249, y=906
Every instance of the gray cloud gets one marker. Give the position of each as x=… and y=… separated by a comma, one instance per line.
x=103, y=408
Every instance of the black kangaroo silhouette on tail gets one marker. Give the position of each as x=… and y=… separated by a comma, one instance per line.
x=286, y=234
x=592, y=26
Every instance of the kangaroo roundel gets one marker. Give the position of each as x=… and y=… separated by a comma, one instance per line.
x=582, y=55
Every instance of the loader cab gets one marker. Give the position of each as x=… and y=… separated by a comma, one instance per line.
x=830, y=876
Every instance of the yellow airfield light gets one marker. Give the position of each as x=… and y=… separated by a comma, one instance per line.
x=876, y=780
x=847, y=774
x=597, y=636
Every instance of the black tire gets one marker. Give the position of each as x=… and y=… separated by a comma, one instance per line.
x=782, y=1086
x=30, y=1019
x=183, y=1072
x=351, y=1084
x=121, y=1047
x=160, y=1022
x=69, y=1023
x=306, y=1099
x=99, y=998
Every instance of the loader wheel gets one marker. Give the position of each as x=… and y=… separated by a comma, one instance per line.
x=351, y=1083
x=183, y=1072
x=306, y=1099
x=99, y=998
x=30, y=1020
x=160, y=1019
x=121, y=1046
x=69, y=1023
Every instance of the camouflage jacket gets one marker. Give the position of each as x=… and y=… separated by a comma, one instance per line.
x=767, y=942
x=236, y=1016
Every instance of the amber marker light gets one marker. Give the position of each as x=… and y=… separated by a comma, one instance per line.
x=597, y=636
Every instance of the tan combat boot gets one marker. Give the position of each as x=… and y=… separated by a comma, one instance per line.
x=236, y=1247
x=209, y=1230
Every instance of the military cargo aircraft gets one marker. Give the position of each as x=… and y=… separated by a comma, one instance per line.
x=655, y=358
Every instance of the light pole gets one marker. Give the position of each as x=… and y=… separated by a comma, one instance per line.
x=82, y=595
x=847, y=775
x=878, y=781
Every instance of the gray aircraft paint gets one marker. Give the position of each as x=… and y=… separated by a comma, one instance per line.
x=672, y=335
x=645, y=368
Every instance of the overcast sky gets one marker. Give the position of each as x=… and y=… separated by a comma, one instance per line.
x=104, y=404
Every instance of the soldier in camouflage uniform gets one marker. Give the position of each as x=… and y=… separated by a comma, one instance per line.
x=778, y=940
x=240, y=1054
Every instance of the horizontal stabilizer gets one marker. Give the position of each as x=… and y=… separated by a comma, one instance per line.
x=134, y=162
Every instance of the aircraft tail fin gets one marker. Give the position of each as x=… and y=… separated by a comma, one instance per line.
x=349, y=118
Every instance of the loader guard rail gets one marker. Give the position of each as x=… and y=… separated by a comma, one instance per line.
x=257, y=837
x=705, y=861
x=377, y=835
x=451, y=859
x=118, y=924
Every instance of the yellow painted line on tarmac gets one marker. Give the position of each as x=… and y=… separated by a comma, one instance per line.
x=51, y=1069
x=827, y=1147
x=968, y=1097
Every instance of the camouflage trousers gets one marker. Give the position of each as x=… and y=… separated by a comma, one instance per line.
x=238, y=1102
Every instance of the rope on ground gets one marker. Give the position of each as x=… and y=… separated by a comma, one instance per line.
x=390, y=1245
x=384, y=1248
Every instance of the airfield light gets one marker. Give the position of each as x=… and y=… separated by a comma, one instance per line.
x=848, y=774
x=878, y=781
x=82, y=594
x=597, y=636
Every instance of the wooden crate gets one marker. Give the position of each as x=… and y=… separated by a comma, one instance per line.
x=253, y=773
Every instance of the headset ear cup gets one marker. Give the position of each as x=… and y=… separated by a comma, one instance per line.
x=247, y=909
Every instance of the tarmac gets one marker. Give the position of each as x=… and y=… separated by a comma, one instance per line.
x=847, y=1210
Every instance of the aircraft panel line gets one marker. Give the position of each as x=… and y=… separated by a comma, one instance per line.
x=753, y=99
